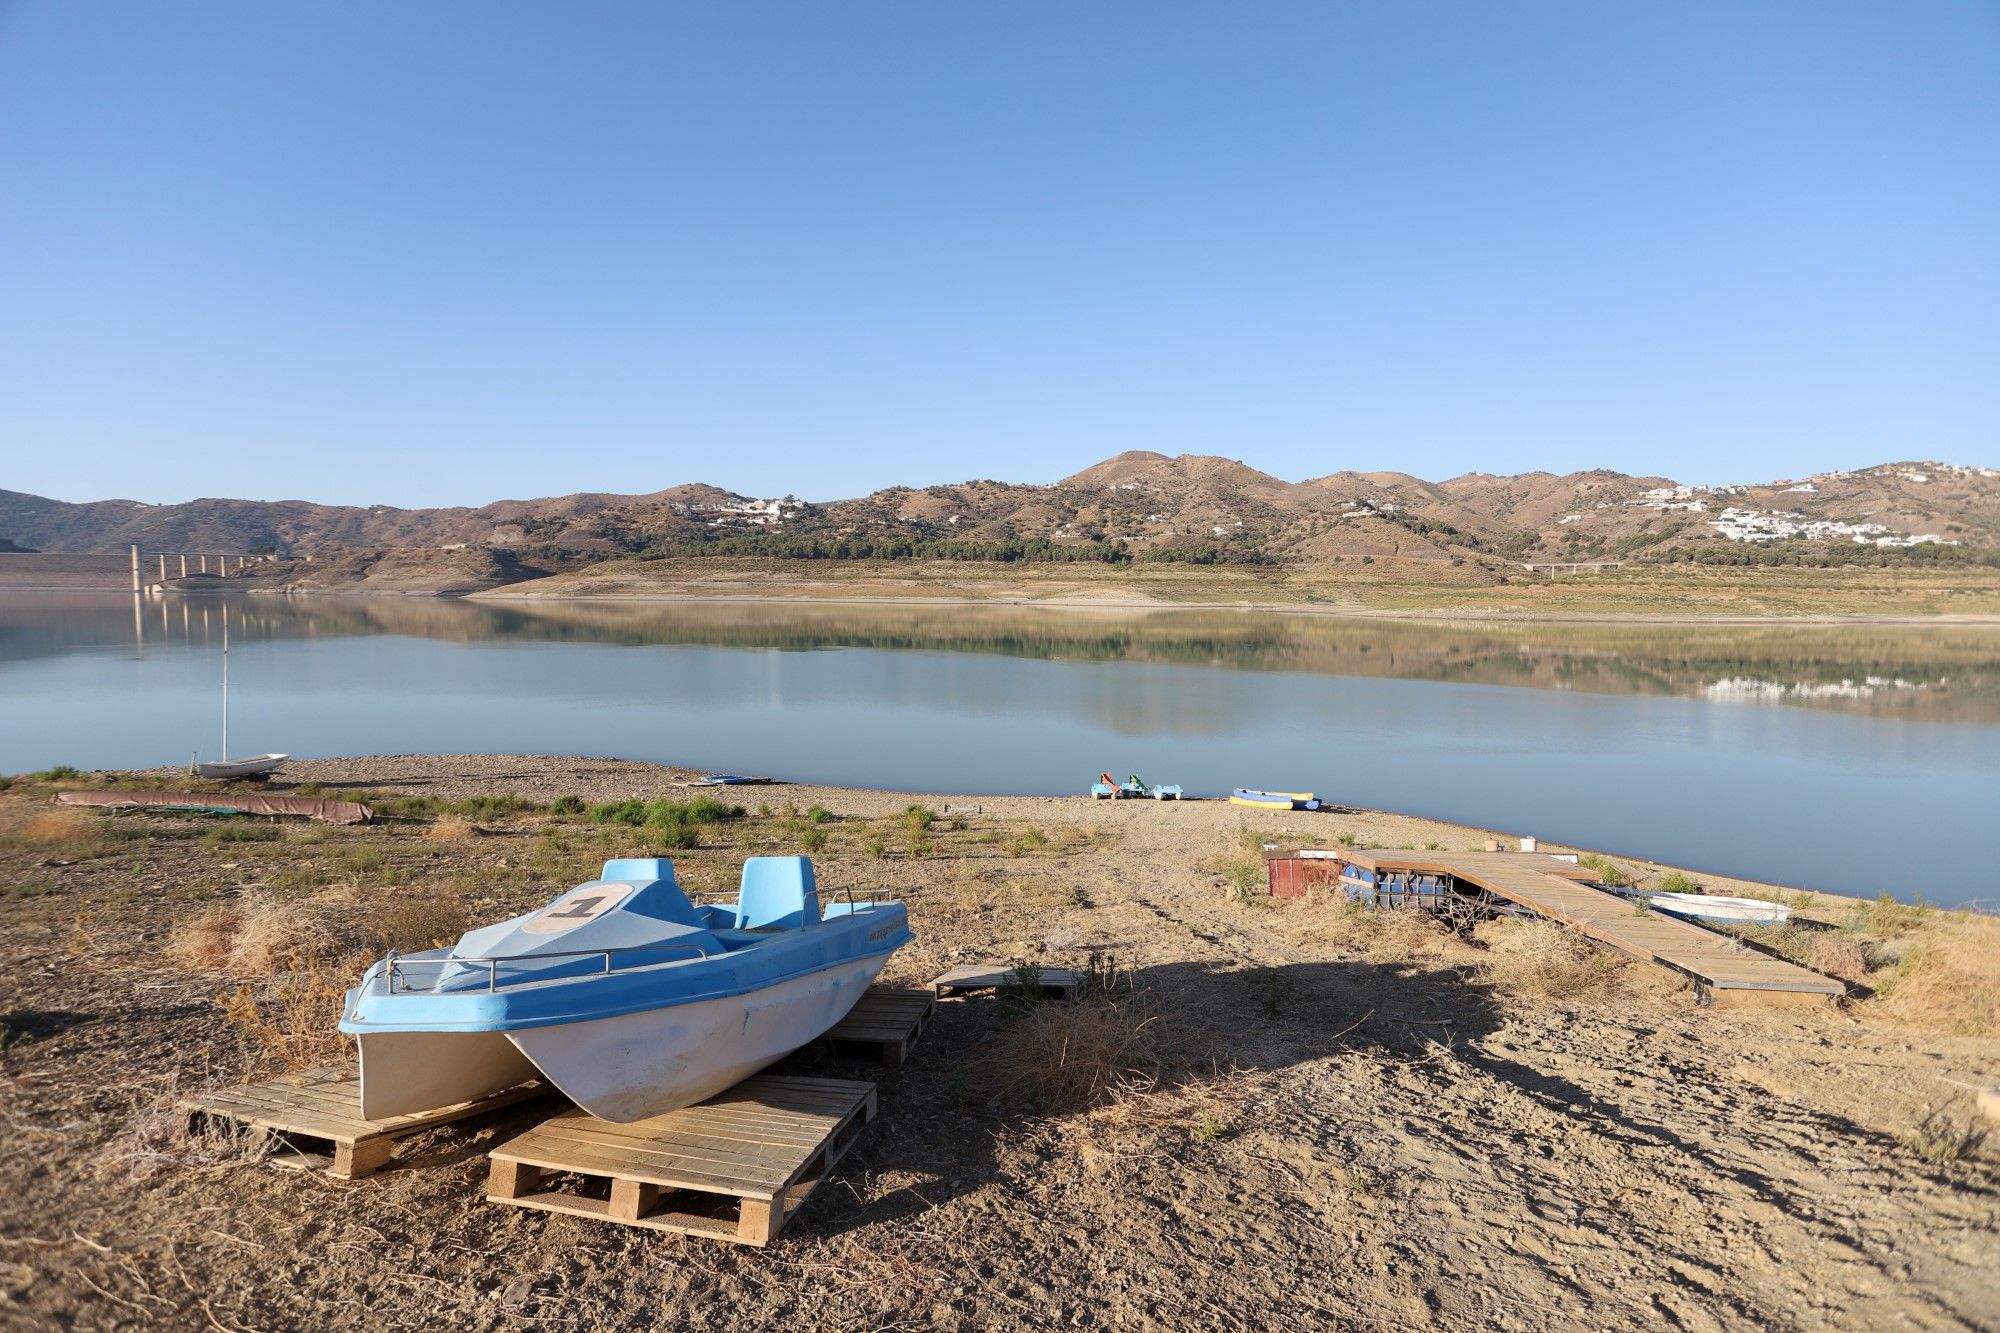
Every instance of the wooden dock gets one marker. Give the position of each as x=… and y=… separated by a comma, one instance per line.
x=315, y=1118
x=1725, y=971
x=734, y=1168
x=888, y=1020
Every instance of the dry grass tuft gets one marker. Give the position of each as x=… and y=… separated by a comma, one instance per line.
x=160, y=1138
x=1381, y=935
x=1545, y=961
x=1059, y=1058
x=204, y=941
x=1840, y=956
x=271, y=937
x=291, y=1022
x=418, y=920
x=451, y=828
x=47, y=829
x=255, y=939
x=1941, y=1138
x=1949, y=979
x=1405, y=934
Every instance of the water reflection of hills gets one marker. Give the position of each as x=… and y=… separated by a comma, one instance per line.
x=1931, y=674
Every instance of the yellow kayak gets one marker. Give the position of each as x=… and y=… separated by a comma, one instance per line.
x=1274, y=800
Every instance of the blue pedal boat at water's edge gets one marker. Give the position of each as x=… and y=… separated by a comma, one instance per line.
x=629, y=998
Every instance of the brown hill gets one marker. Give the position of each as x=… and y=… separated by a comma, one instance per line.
x=1140, y=504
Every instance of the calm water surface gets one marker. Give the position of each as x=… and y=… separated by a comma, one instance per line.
x=1856, y=760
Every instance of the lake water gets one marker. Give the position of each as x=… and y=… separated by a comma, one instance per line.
x=1858, y=760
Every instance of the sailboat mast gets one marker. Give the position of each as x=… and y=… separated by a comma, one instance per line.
x=225, y=684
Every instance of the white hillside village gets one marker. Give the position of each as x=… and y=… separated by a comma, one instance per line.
x=1741, y=524
x=744, y=512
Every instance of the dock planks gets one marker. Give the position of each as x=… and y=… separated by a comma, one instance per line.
x=1058, y=983
x=887, y=1018
x=1725, y=971
x=316, y=1116
x=735, y=1167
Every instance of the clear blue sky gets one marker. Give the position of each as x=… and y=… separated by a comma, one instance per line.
x=426, y=253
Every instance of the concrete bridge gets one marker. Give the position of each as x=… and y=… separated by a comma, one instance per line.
x=1571, y=566
x=183, y=564
x=106, y=571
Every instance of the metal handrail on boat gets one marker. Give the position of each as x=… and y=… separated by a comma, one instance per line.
x=723, y=898
x=393, y=966
x=393, y=969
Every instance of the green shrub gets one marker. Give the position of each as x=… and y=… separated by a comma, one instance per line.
x=1028, y=840
x=1678, y=883
x=489, y=807
x=819, y=814
x=566, y=805
x=1247, y=878
x=243, y=833
x=55, y=773
x=1608, y=874
x=407, y=807
x=704, y=810
x=674, y=836
x=877, y=846
x=1208, y=1127
x=813, y=839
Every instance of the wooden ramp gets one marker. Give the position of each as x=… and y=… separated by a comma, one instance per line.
x=1725, y=971
x=887, y=1019
x=315, y=1118
x=734, y=1168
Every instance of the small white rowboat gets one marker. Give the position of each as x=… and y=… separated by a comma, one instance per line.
x=1722, y=911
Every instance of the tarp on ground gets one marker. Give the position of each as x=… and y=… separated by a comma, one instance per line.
x=223, y=802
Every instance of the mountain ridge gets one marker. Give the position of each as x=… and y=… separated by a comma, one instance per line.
x=1140, y=504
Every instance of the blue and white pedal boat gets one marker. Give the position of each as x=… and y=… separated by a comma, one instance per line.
x=630, y=999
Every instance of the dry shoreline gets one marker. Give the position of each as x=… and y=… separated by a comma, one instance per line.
x=1314, y=1117
x=1466, y=615
x=546, y=777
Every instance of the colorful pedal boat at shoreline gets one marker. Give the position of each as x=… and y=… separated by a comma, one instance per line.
x=1274, y=800
x=1132, y=788
x=627, y=997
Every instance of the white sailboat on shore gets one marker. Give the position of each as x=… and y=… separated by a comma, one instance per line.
x=255, y=766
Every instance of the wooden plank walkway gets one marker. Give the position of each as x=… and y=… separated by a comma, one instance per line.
x=1725, y=971
x=1058, y=983
x=316, y=1117
x=888, y=1018
x=734, y=1168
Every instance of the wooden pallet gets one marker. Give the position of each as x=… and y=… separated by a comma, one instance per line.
x=315, y=1118
x=734, y=1168
x=887, y=1018
x=1058, y=983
